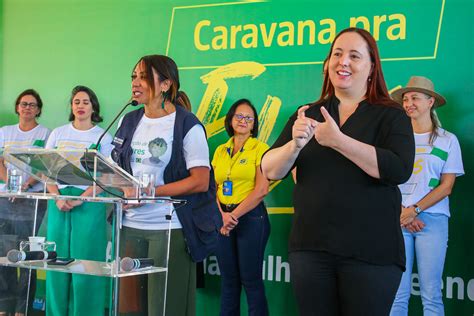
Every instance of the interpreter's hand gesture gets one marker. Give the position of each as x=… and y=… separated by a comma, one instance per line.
x=303, y=128
x=327, y=133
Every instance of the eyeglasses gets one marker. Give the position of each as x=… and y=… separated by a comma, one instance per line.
x=32, y=105
x=248, y=119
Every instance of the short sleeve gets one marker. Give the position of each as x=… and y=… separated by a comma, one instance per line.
x=396, y=152
x=195, y=148
x=51, y=143
x=48, y=133
x=285, y=136
x=2, y=137
x=454, y=162
x=106, y=145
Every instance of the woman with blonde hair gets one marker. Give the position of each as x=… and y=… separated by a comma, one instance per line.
x=425, y=202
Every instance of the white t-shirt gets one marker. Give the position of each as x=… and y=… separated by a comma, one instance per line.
x=68, y=137
x=152, y=143
x=431, y=161
x=12, y=136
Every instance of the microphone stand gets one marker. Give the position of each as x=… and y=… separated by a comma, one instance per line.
x=132, y=103
x=85, y=160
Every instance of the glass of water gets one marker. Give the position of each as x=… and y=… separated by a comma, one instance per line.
x=147, y=184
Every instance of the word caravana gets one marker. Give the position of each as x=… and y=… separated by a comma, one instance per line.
x=283, y=34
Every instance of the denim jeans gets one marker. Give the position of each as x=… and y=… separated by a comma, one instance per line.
x=240, y=258
x=429, y=247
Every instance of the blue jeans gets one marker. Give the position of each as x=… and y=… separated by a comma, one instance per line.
x=240, y=258
x=429, y=246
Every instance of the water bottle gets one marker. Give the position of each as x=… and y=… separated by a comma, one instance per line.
x=14, y=181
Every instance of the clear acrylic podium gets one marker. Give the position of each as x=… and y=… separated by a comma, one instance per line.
x=108, y=181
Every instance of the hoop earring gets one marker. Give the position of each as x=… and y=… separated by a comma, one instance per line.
x=163, y=95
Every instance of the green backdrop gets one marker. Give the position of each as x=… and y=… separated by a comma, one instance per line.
x=269, y=52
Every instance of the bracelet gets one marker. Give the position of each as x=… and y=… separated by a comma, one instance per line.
x=233, y=217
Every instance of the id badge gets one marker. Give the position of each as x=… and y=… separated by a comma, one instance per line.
x=227, y=188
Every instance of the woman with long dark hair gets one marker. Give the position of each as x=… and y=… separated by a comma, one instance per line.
x=165, y=139
x=77, y=227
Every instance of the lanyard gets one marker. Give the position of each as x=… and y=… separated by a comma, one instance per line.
x=233, y=162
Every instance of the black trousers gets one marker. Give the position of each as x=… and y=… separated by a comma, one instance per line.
x=327, y=284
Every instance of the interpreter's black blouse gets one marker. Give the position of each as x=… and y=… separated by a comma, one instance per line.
x=338, y=207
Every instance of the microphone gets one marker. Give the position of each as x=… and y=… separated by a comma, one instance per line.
x=17, y=255
x=87, y=160
x=132, y=103
x=128, y=264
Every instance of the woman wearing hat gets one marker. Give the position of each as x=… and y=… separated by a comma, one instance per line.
x=425, y=203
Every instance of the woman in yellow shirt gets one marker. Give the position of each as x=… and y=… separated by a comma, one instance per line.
x=241, y=188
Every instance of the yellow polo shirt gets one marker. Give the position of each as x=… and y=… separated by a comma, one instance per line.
x=240, y=169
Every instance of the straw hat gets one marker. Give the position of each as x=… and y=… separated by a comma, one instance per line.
x=419, y=84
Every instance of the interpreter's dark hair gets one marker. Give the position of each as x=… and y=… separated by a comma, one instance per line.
x=33, y=93
x=96, y=118
x=377, y=92
x=166, y=69
x=230, y=115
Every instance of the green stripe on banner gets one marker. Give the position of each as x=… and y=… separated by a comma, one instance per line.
x=433, y=183
x=39, y=143
x=92, y=146
x=440, y=153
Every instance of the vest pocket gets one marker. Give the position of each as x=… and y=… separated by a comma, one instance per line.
x=204, y=222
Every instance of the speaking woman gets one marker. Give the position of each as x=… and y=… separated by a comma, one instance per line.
x=165, y=139
x=241, y=188
x=79, y=229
